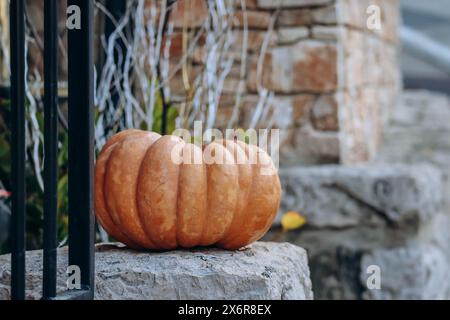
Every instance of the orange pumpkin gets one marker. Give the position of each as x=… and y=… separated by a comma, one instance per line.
x=146, y=200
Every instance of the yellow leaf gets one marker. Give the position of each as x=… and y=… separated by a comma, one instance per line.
x=292, y=220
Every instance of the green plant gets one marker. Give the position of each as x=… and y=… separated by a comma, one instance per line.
x=34, y=195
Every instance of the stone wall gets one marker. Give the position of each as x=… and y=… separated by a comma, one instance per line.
x=335, y=81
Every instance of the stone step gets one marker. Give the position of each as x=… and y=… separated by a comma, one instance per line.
x=375, y=195
x=260, y=271
x=386, y=217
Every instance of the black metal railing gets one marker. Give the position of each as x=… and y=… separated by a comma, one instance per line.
x=50, y=147
x=81, y=149
x=17, y=27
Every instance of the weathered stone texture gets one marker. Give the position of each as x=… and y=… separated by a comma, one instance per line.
x=308, y=66
x=261, y=271
x=192, y=13
x=342, y=197
x=254, y=19
x=292, y=34
x=324, y=115
x=310, y=146
x=294, y=17
x=389, y=216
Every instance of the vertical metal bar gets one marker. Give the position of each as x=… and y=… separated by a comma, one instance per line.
x=81, y=144
x=17, y=21
x=50, y=146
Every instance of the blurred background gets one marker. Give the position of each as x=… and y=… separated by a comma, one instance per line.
x=358, y=88
x=430, y=18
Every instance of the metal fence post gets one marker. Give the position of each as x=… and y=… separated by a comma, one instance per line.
x=17, y=27
x=81, y=145
x=50, y=147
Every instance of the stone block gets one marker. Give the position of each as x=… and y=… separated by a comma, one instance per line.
x=329, y=33
x=271, y=4
x=324, y=115
x=286, y=112
x=306, y=145
x=255, y=19
x=249, y=4
x=308, y=66
x=254, y=39
x=294, y=17
x=292, y=34
x=325, y=15
x=261, y=271
x=189, y=13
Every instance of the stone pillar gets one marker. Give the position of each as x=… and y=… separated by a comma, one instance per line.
x=335, y=80
x=339, y=78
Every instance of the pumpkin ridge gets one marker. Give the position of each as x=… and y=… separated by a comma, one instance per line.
x=147, y=231
x=238, y=240
x=269, y=221
x=225, y=233
x=206, y=220
x=177, y=219
x=115, y=141
x=191, y=197
x=257, y=202
x=222, y=193
x=237, y=215
x=103, y=215
x=207, y=216
x=235, y=241
x=124, y=201
x=111, y=212
x=140, y=215
x=227, y=145
x=156, y=193
x=245, y=218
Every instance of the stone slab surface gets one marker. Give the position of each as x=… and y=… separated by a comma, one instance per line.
x=371, y=195
x=261, y=271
